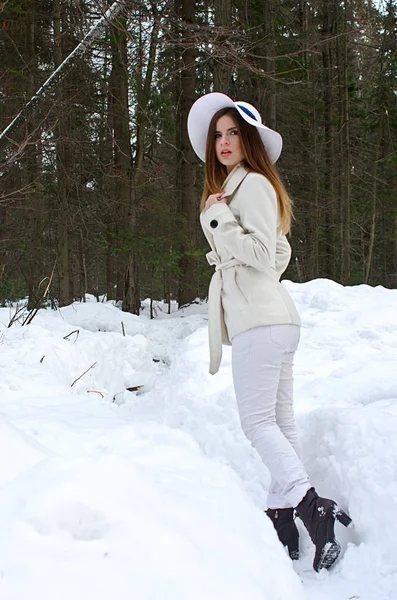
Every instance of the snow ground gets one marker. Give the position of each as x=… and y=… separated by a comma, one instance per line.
x=157, y=495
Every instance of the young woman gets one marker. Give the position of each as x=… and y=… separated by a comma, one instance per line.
x=245, y=215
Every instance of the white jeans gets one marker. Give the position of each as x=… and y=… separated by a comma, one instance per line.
x=262, y=360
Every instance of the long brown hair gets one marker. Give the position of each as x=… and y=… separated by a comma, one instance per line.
x=256, y=159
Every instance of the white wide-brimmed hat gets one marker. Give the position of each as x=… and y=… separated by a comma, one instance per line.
x=203, y=110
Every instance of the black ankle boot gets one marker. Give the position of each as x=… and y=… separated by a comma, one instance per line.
x=318, y=516
x=287, y=531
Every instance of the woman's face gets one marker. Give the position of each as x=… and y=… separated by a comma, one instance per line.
x=227, y=142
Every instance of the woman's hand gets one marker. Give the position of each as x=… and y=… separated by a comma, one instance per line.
x=215, y=199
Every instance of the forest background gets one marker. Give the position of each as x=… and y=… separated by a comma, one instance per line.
x=100, y=189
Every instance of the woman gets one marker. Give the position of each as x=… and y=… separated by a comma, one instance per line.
x=245, y=215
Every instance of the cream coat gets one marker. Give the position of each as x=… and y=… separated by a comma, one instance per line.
x=249, y=253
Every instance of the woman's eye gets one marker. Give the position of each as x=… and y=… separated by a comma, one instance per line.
x=217, y=135
x=234, y=132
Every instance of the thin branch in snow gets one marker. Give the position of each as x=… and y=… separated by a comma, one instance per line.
x=77, y=331
x=35, y=309
x=95, y=392
x=16, y=315
x=82, y=375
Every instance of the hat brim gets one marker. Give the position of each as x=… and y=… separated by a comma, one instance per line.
x=203, y=110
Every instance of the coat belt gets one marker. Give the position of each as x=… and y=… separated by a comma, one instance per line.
x=217, y=332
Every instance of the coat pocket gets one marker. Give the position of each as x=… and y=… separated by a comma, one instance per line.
x=242, y=280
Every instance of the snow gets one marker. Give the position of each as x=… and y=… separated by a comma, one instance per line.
x=156, y=494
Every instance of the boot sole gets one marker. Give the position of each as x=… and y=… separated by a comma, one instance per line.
x=329, y=554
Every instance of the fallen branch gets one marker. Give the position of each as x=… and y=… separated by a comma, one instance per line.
x=33, y=312
x=82, y=375
x=16, y=315
x=75, y=331
x=95, y=392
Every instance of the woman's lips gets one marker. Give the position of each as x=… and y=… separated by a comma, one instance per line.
x=226, y=153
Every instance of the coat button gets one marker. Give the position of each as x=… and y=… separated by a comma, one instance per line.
x=214, y=224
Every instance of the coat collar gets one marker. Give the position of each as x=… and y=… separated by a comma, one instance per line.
x=234, y=178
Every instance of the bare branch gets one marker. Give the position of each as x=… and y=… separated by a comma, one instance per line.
x=66, y=337
x=82, y=375
x=96, y=392
x=60, y=73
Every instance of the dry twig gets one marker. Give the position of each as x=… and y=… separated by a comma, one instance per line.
x=82, y=375
x=66, y=337
x=96, y=392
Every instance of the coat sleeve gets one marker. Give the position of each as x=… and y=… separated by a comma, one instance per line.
x=253, y=240
x=283, y=254
x=208, y=236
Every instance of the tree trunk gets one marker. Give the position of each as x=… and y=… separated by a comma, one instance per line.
x=123, y=187
x=188, y=287
x=308, y=251
x=3, y=246
x=223, y=22
x=132, y=302
x=63, y=166
x=328, y=251
x=346, y=196
x=270, y=102
x=316, y=187
x=32, y=170
x=374, y=207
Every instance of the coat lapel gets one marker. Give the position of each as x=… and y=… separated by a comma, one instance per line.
x=234, y=179
x=230, y=184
